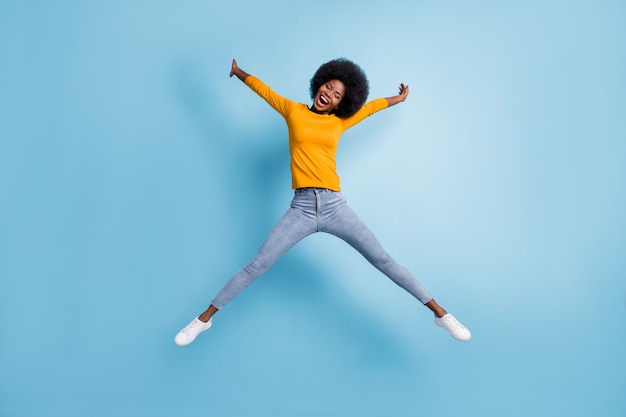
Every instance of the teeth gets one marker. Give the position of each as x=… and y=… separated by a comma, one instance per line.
x=323, y=100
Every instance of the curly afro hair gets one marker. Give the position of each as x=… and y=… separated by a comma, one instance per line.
x=354, y=79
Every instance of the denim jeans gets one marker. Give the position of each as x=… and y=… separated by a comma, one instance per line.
x=320, y=210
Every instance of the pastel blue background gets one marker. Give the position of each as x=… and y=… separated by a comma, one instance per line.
x=136, y=177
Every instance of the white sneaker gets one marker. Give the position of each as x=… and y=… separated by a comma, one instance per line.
x=452, y=325
x=189, y=333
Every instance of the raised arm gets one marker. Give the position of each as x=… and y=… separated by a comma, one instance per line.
x=281, y=104
x=235, y=70
x=402, y=95
x=378, y=104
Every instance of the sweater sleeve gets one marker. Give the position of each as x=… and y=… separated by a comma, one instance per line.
x=367, y=110
x=279, y=103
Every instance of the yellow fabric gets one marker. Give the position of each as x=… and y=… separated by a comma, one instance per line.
x=313, y=138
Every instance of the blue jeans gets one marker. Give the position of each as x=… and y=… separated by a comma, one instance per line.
x=320, y=210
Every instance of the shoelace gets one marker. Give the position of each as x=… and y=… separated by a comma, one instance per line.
x=189, y=329
x=452, y=322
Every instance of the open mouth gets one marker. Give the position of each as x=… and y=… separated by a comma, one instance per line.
x=323, y=100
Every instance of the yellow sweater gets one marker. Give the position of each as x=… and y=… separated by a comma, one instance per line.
x=313, y=137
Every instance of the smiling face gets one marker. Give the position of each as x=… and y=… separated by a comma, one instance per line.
x=328, y=97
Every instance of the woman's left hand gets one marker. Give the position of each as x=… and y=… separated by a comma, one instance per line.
x=404, y=92
x=402, y=95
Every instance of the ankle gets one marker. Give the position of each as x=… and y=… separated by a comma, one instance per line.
x=436, y=309
x=204, y=317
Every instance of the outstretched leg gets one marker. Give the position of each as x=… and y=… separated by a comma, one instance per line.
x=292, y=227
x=345, y=224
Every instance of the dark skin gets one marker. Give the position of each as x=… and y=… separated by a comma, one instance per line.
x=326, y=100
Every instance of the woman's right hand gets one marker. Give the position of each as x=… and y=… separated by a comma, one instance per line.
x=234, y=68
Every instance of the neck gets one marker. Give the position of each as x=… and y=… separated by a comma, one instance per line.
x=314, y=110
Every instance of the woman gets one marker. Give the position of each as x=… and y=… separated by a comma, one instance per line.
x=339, y=91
